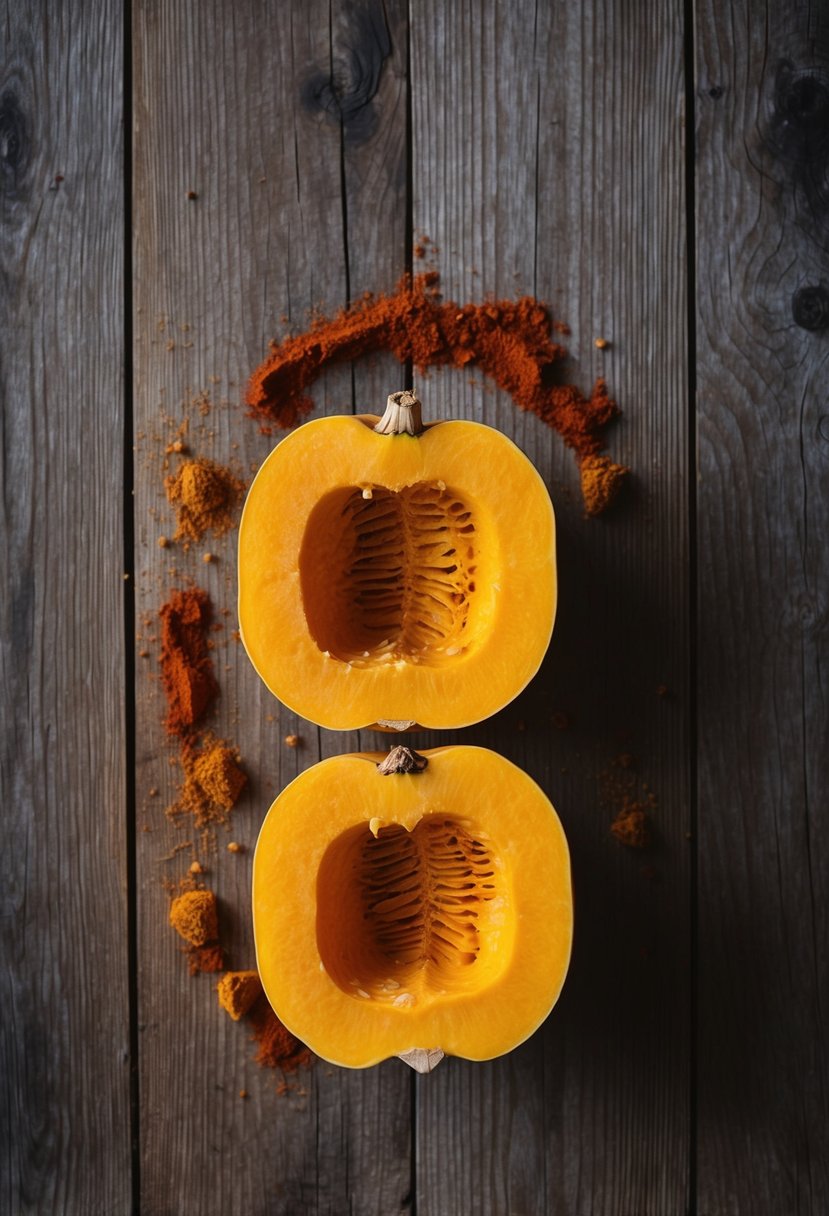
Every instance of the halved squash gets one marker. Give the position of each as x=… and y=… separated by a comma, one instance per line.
x=418, y=907
x=397, y=577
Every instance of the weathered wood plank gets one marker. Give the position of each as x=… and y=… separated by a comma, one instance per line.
x=763, y=309
x=64, y=1030
x=543, y=165
x=288, y=122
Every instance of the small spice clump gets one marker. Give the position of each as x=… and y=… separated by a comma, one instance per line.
x=186, y=667
x=276, y=1046
x=237, y=991
x=509, y=340
x=194, y=917
x=205, y=495
x=631, y=828
x=601, y=481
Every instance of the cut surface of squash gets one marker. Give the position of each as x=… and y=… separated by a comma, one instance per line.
x=396, y=578
x=417, y=912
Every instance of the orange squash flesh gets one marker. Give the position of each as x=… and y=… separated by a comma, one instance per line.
x=396, y=577
x=418, y=911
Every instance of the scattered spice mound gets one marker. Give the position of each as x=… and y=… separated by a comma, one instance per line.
x=194, y=916
x=217, y=771
x=631, y=828
x=206, y=495
x=277, y=1047
x=509, y=340
x=237, y=991
x=601, y=481
x=631, y=801
x=212, y=784
x=186, y=667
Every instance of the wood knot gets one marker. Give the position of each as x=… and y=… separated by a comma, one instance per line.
x=800, y=112
x=810, y=308
x=343, y=93
x=14, y=145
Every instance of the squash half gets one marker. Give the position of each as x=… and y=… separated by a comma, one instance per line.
x=396, y=578
x=414, y=914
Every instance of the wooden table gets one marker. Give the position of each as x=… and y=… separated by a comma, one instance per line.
x=658, y=174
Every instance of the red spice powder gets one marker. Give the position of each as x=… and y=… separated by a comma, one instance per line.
x=510, y=340
x=276, y=1046
x=186, y=667
x=205, y=958
x=631, y=827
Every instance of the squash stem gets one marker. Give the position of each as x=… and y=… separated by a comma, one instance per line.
x=402, y=760
x=403, y=415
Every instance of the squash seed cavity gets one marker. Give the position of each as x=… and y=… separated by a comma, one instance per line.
x=409, y=916
x=390, y=577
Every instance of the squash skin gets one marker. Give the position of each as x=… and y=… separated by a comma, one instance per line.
x=524, y=959
x=515, y=600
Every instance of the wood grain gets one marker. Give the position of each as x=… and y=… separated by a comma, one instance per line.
x=288, y=157
x=763, y=269
x=288, y=122
x=64, y=1031
x=544, y=166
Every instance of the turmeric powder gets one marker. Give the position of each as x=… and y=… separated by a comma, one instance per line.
x=212, y=783
x=601, y=481
x=205, y=495
x=219, y=775
x=194, y=917
x=237, y=990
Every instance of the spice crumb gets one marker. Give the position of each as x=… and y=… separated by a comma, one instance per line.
x=601, y=344
x=292, y=740
x=237, y=990
x=630, y=827
x=234, y=847
x=601, y=481
x=191, y=194
x=163, y=542
x=196, y=867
